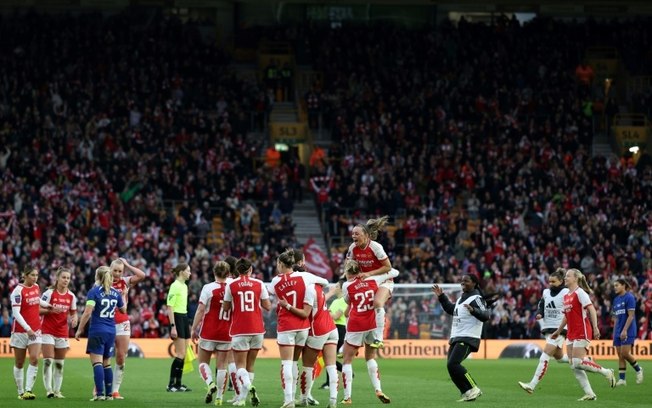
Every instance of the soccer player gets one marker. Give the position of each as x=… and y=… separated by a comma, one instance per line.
x=322, y=337
x=373, y=261
x=62, y=304
x=122, y=284
x=101, y=304
x=26, y=331
x=360, y=328
x=177, y=303
x=291, y=286
x=337, y=310
x=580, y=315
x=550, y=313
x=469, y=313
x=245, y=297
x=211, y=328
x=624, y=310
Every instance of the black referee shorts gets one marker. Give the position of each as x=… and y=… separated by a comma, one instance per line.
x=182, y=324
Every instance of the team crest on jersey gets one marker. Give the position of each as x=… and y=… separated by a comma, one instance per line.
x=17, y=299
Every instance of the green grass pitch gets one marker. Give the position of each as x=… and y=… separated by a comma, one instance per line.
x=409, y=383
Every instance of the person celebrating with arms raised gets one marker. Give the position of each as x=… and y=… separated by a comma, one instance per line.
x=581, y=317
x=469, y=313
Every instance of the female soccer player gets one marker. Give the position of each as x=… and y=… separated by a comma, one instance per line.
x=62, y=305
x=122, y=284
x=211, y=328
x=470, y=312
x=360, y=328
x=322, y=337
x=580, y=315
x=244, y=297
x=101, y=304
x=373, y=261
x=551, y=311
x=292, y=286
x=624, y=309
x=26, y=331
x=179, y=326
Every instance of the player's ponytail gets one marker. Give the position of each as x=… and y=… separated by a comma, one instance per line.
x=104, y=278
x=221, y=270
x=243, y=266
x=287, y=259
x=374, y=225
x=581, y=280
x=559, y=274
x=299, y=259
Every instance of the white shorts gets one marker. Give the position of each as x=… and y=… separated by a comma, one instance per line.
x=318, y=342
x=58, y=342
x=22, y=340
x=247, y=342
x=211, y=346
x=123, y=329
x=389, y=285
x=292, y=338
x=578, y=343
x=558, y=342
x=357, y=339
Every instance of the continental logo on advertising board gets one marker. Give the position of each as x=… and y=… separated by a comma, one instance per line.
x=394, y=349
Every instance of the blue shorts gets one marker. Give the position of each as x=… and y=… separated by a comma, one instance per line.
x=101, y=343
x=629, y=341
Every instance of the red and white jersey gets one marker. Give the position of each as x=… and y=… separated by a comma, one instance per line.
x=359, y=294
x=321, y=321
x=28, y=299
x=369, y=258
x=56, y=324
x=216, y=322
x=577, y=319
x=245, y=294
x=122, y=286
x=292, y=287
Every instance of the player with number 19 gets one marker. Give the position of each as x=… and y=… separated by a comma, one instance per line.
x=101, y=303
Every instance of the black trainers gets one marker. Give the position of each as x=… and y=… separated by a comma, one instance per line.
x=212, y=389
x=324, y=386
x=184, y=388
x=172, y=388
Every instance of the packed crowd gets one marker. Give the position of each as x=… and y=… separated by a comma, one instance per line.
x=123, y=136
x=439, y=128
x=482, y=159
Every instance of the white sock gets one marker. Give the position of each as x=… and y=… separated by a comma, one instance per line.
x=306, y=382
x=374, y=374
x=47, y=374
x=542, y=367
x=295, y=377
x=58, y=375
x=380, y=324
x=234, y=379
x=32, y=372
x=590, y=365
x=244, y=382
x=332, y=381
x=221, y=382
x=347, y=380
x=287, y=381
x=583, y=379
x=19, y=379
x=205, y=373
x=251, y=377
x=118, y=374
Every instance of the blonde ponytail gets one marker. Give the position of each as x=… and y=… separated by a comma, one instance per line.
x=581, y=280
x=104, y=278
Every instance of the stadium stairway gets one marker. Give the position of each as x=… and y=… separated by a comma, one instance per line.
x=307, y=225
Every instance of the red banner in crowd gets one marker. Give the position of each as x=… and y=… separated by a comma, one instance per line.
x=316, y=260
